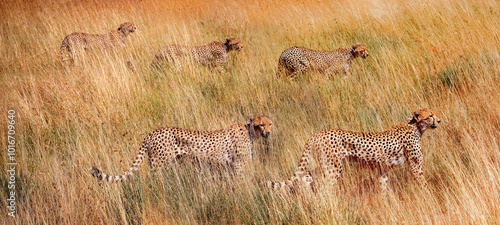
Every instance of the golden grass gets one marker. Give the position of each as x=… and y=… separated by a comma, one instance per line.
x=440, y=54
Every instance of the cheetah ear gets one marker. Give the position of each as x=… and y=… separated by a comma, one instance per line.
x=414, y=119
x=250, y=119
x=121, y=26
x=228, y=40
x=250, y=127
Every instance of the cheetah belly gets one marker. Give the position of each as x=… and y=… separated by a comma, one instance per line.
x=397, y=160
x=228, y=159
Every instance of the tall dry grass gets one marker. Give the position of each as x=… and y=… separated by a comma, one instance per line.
x=439, y=54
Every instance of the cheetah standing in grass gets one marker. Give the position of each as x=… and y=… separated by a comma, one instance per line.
x=228, y=147
x=299, y=60
x=380, y=151
x=213, y=55
x=75, y=44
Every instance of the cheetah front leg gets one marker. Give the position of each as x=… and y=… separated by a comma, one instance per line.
x=219, y=60
x=219, y=69
x=347, y=71
x=239, y=167
x=243, y=155
x=338, y=69
x=417, y=172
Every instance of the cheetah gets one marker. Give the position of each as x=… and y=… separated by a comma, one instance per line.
x=379, y=151
x=230, y=147
x=76, y=43
x=213, y=55
x=298, y=60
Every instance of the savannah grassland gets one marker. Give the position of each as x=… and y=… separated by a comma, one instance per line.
x=438, y=54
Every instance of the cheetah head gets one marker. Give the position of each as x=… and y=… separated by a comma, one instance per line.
x=424, y=119
x=127, y=27
x=359, y=50
x=262, y=125
x=233, y=44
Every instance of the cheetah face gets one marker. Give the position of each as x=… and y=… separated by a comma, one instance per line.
x=263, y=125
x=234, y=44
x=128, y=27
x=360, y=50
x=426, y=118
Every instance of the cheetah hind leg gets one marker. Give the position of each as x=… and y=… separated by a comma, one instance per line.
x=279, y=72
x=294, y=75
x=332, y=172
x=303, y=68
x=282, y=68
x=309, y=180
x=68, y=55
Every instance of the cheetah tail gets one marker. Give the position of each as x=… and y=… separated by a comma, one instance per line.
x=285, y=186
x=294, y=183
x=138, y=160
x=301, y=175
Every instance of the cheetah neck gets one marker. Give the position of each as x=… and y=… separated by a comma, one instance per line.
x=124, y=33
x=417, y=128
x=346, y=52
x=217, y=44
x=120, y=34
x=225, y=46
x=351, y=55
x=251, y=132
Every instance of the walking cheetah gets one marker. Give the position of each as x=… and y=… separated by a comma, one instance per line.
x=298, y=60
x=231, y=147
x=213, y=55
x=380, y=151
x=75, y=44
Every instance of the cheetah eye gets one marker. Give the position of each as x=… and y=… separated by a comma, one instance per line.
x=431, y=116
x=262, y=125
